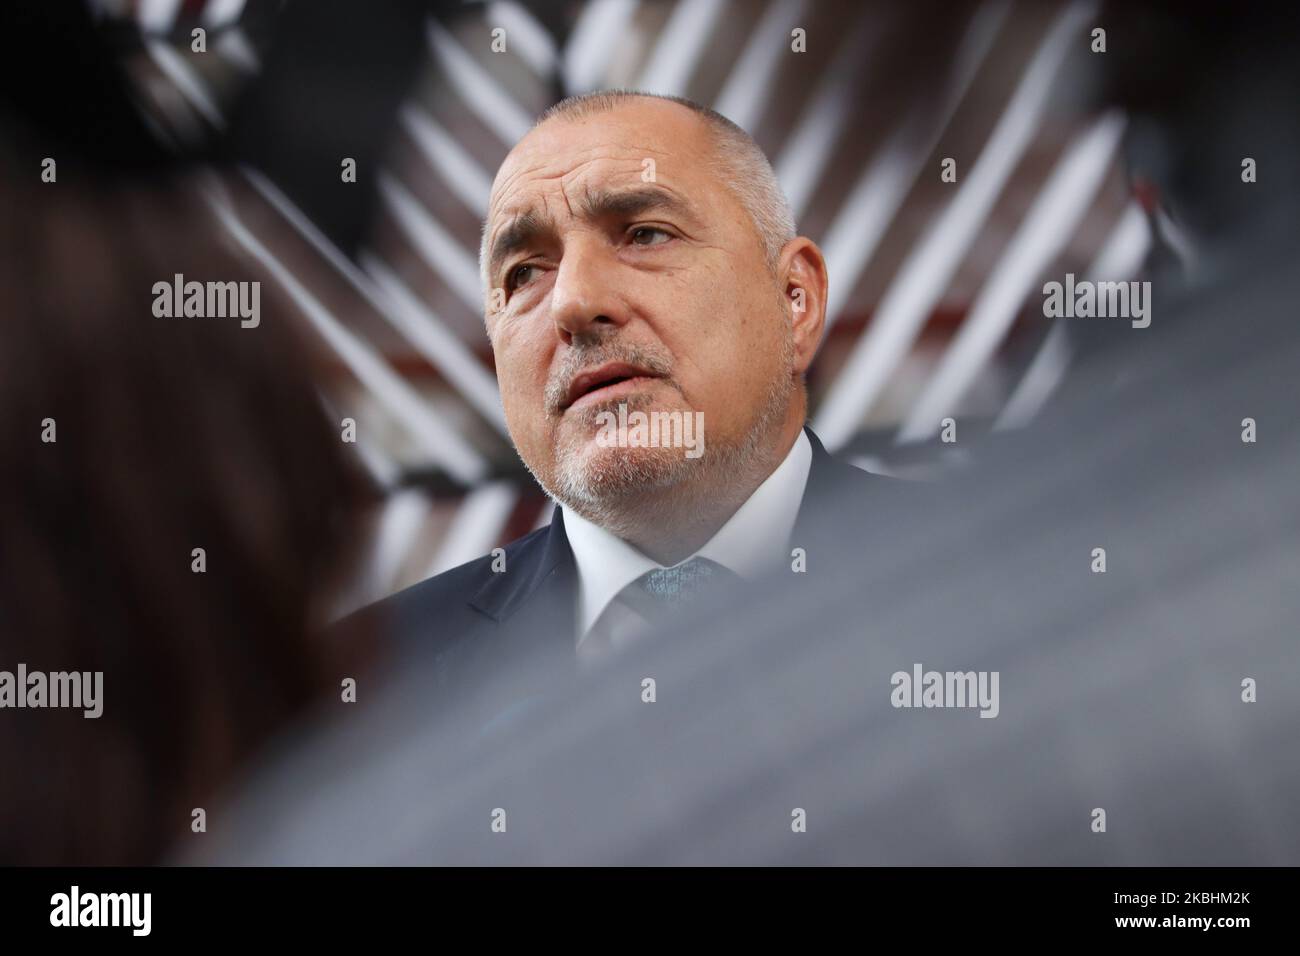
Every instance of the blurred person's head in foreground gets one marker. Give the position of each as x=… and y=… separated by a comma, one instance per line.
x=638, y=252
x=127, y=443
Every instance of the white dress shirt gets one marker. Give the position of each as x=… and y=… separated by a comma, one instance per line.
x=754, y=540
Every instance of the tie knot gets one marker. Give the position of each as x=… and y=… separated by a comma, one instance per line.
x=675, y=586
x=653, y=600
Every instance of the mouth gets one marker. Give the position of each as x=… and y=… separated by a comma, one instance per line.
x=606, y=382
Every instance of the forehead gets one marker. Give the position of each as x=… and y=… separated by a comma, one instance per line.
x=564, y=158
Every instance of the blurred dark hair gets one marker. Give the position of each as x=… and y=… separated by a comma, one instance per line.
x=1207, y=84
x=172, y=434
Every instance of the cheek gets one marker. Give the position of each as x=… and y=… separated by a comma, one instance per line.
x=522, y=377
x=725, y=335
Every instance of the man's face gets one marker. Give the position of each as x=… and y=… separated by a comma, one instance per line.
x=620, y=255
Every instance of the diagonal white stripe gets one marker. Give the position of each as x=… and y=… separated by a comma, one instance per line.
x=447, y=257
x=593, y=43
x=808, y=147
x=401, y=524
x=929, y=269
x=234, y=46
x=1120, y=257
x=459, y=171
x=438, y=344
x=476, y=526
x=749, y=83
x=1042, y=376
x=524, y=36
x=680, y=45
x=875, y=199
x=1044, y=232
x=1122, y=253
x=478, y=87
x=186, y=80
x=219, y=13
x=157, y=16
x=383, y=470
x=438, y=439
x=447, y=352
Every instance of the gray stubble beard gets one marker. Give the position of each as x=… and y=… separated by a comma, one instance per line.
x=615, y=496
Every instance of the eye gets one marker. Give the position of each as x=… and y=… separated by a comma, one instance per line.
x=518, y=276
x=649, y=236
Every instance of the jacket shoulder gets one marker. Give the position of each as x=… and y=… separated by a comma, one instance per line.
x=442, y=603
x=460, y=584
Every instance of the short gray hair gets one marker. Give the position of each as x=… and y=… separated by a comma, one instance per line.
x=741, y=163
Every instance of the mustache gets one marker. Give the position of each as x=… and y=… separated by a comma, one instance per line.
x=574, y=361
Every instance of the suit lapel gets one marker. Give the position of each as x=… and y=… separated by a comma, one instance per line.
x=533, y=600
x=842, y=503
x=827, y=478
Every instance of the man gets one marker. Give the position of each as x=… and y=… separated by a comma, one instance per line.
x=639, y=259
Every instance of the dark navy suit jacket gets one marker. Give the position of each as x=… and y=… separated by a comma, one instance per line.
x=480, y=627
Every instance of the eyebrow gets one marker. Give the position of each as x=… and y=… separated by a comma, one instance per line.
x=526, y=228
x=519, y=233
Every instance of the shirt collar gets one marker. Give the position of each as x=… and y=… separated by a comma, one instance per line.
x=753, y=540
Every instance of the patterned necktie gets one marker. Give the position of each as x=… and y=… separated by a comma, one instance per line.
x=654, y=597
x=670, y=589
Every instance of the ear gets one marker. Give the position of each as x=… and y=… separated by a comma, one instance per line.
x=802, y=274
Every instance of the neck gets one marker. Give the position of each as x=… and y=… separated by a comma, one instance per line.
x=671, y=524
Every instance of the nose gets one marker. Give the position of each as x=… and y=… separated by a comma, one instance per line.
x=584, y=296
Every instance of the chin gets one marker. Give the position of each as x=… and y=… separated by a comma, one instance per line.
x=595, y=475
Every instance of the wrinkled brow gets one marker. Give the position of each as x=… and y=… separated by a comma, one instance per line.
x=632, y=202
x=525, y=229
x=520, y=233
